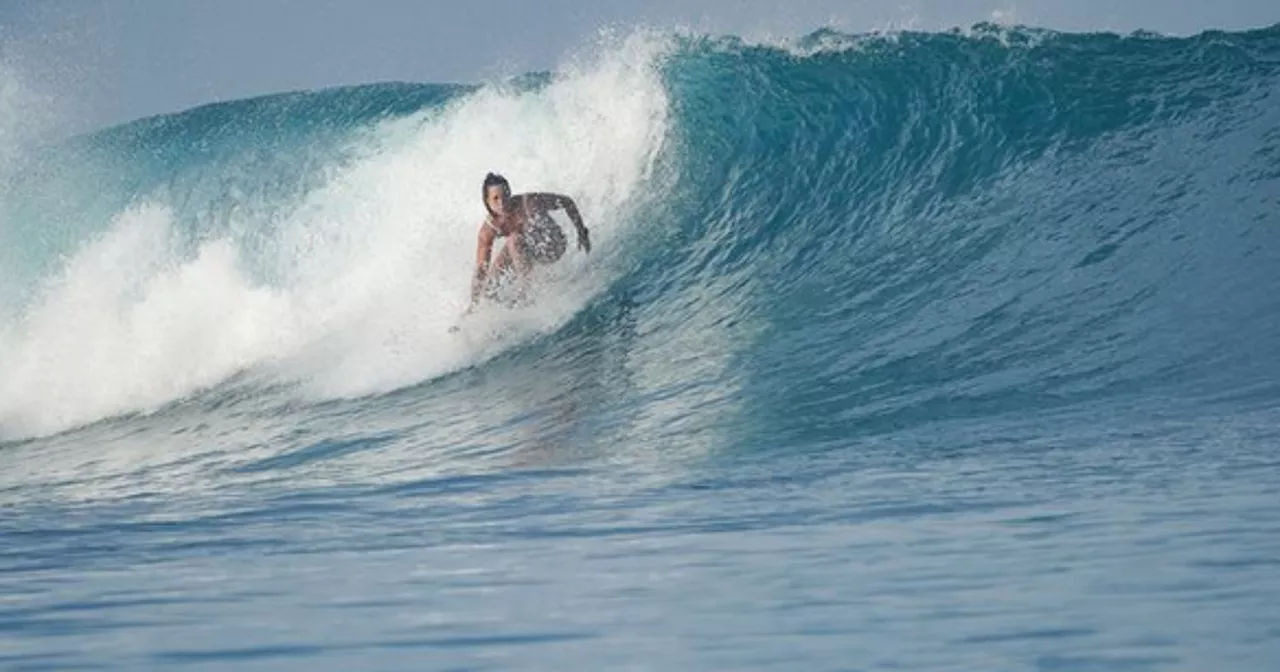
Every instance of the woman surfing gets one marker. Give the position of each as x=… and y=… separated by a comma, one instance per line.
x=533, y=237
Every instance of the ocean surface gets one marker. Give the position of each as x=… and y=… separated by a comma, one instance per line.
x=922, y=351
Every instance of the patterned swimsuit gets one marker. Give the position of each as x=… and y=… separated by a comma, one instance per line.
x=543, y=240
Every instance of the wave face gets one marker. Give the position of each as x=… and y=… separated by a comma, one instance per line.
x=943, y=226
x=960, y=334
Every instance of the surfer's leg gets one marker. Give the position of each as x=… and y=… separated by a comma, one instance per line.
x=499, y=268
x=502, y=262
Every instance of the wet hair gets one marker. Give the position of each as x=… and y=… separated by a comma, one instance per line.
x=493, y=180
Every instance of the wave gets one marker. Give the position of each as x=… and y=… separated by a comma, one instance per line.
x=842, y=233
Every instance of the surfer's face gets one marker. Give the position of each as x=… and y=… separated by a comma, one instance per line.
x=496, y=198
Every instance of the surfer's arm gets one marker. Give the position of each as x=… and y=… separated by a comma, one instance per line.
x=547, y=202
x=484, y=247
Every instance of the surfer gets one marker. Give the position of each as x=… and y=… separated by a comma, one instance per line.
x=533, y=237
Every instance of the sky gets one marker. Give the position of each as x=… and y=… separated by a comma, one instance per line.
x=94, y=63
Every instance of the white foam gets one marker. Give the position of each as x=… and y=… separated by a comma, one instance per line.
x=375, y=265
x=124, y=328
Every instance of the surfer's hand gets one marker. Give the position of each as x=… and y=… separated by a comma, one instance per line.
x=584, y=239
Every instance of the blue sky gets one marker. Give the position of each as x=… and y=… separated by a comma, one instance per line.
x=107, y=61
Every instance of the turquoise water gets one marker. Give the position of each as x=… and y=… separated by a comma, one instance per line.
x=923, y=352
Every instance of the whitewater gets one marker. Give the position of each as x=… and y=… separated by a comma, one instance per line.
x=919, y=351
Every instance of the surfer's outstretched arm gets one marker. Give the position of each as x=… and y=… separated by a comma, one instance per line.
x=484, y=247
x=547, y=202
